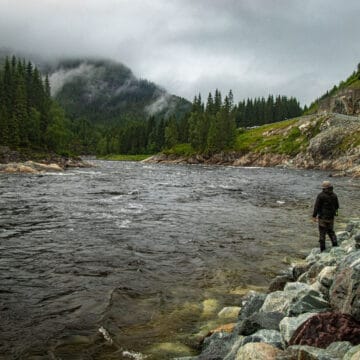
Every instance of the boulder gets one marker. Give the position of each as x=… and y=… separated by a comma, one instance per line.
x=303, y=352
x=353, y=353
x=310, y=302
x=252, y=303
x=218, y=345
x=327, y=275
x=342, y=236
x=299, y=268
x=314, y=256
x=279, y=282
x=235, y=346
x=257, y=351
x=352, y=226
x=260, y=320
x=357, y=241
x=339, y=348
x=297, y=298
x=289, y=325
x=43, y=167
x=277, y=301
x=229, y=312
x=271, y=337
x=345, y=290
x=329, y=327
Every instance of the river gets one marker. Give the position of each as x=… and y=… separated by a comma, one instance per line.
x=137, y=250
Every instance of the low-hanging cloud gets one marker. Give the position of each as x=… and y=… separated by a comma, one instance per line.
x=297, y=48
x=61, y=76
x=161, y=103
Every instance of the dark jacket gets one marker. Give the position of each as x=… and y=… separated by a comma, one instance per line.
x=326, y=204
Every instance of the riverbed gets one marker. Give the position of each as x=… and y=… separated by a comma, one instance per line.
x=139, y=251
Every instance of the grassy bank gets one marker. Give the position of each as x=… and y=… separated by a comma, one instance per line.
x=283, y=137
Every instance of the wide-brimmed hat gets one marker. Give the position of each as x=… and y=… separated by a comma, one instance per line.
x=326, y=184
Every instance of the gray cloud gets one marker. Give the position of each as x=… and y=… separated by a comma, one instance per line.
x=255, y=47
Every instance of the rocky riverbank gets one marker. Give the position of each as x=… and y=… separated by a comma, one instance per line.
x=325, y=142
x=12, y=161
x=311, y=311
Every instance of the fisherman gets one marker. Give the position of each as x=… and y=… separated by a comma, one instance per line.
x=325, y=209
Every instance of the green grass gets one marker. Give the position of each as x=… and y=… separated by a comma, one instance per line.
x=355, y=84
x=122, y=157
x=254, y=139
x=181, y=150
x=350, y=141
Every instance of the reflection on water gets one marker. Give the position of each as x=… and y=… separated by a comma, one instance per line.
x=136, y=249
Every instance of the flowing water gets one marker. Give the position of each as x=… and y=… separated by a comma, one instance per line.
x=139, y=252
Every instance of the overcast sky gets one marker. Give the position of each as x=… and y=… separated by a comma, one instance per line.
x=297, y=48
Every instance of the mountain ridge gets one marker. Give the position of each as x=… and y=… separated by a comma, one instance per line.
x=107, y=92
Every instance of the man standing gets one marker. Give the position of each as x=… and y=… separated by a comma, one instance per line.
x=325, y=209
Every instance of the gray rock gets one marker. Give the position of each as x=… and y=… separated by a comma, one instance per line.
x=306, y=353
x=231, y=355
x=289, y=325
x=278, y=283
x=217, y=346
x=271, y=337
x=357, y=241
x=300, y=268
x=314, y=256
x=297, y=287
x=352, y=226
x=312, y=273
x=327, y=276
x=342, y=236
x=345, y=290
x=260, y=320
x=251, y=304
x=278, y=301
x=308, y=303
x=339, y=348
x=297, y=298
x=257, y=351
x=353, y=353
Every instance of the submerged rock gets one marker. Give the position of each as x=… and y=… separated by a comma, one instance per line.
x=229, y=312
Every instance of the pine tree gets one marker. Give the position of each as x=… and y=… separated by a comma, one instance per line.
x=171, y=133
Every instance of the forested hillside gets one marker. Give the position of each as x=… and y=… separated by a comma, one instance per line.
x=100, y=107
x=107, y=93
x=28, y=115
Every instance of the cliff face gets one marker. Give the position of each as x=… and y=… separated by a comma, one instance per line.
x=346, y=101
x=322, y=141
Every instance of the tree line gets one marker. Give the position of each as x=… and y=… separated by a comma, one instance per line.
x=30, y=118
x=209, y=127
x=260, y=111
